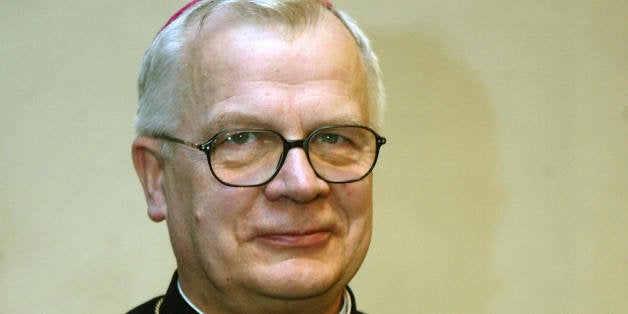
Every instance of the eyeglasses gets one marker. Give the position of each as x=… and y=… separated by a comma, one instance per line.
x=253, y=157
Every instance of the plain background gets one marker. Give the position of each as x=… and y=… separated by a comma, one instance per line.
x=502, y=189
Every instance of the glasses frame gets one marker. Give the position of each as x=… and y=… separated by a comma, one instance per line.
x=287, y=146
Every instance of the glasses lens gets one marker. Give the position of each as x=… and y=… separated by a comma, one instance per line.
x=245, y=157
x=342, y=154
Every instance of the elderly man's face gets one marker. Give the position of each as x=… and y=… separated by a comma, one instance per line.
x=297, y=236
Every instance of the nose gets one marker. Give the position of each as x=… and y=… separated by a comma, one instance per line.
x=296, y=180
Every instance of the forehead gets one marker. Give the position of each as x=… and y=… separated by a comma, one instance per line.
x=232, y=64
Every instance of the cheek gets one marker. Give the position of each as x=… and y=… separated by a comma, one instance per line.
x=357, y=203
x=198, y=208
x=218, y=227
x=356, y=197
x=223, y=212
x=354, y=202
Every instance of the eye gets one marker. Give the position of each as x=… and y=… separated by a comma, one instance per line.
x=330, y=138
x=241, y=138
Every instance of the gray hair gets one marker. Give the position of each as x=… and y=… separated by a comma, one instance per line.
x=162, y=86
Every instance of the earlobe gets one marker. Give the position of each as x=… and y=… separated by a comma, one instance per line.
x=148, y=162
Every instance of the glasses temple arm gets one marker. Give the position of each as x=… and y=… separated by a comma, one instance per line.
x=177, y=140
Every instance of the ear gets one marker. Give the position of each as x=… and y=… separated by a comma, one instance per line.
x=149, y=166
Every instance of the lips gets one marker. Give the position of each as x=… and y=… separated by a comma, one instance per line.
x=296, y=239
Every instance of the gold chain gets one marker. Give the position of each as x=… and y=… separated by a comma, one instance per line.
x=158, y=305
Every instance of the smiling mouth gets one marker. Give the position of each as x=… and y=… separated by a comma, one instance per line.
x=297, y=240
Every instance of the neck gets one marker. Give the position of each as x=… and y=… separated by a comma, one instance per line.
x=221, y=304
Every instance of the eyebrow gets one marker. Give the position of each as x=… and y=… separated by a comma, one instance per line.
x=233, y=120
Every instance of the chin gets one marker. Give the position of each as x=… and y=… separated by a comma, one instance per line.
x=300, y=278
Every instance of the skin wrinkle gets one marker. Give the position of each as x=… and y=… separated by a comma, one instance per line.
x=217, y=120
x=238, y=119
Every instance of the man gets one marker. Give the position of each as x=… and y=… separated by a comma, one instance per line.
x=256, y=144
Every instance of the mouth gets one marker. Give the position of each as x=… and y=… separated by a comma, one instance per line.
x=296, y=239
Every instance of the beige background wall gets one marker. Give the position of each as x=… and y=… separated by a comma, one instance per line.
x=503, y=188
